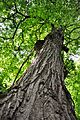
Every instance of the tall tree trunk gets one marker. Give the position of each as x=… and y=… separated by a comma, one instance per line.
x=40, y=94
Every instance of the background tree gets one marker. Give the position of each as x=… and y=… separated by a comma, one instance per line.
x=23, y=23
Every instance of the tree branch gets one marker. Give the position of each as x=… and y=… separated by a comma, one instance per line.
x=70, y=40
x=31, y=53
x=74, y=29
x=18, y=26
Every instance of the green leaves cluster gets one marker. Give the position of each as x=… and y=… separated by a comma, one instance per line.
x=73, y=85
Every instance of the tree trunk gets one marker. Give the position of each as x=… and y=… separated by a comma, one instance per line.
x=40, y=94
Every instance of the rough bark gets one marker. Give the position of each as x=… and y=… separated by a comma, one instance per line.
x=40, y=94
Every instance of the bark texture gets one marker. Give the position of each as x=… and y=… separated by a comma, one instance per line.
x=39, y=94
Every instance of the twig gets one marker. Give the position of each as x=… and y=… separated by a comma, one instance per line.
x=31, y=53
x=18, y=27
x=70, y=40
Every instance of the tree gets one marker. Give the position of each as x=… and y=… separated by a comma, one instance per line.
x=41, y=93
x=22, y=24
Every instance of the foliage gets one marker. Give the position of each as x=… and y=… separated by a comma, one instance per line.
x=23, y=22
x=73, y=85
